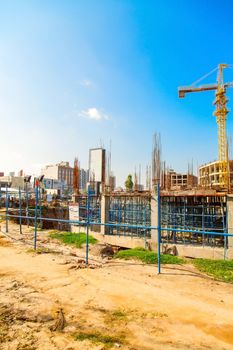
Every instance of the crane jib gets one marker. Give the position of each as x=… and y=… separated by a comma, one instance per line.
x=207, y=87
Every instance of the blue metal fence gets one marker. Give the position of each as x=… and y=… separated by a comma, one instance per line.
x=94, y=207
x=200, y=217
x=130, y=210
x=134, y=216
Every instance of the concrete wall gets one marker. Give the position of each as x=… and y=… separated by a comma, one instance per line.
x=192, y=251
x=121, y=241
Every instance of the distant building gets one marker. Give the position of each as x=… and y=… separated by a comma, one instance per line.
x=178, y=181
x=112, y=182
x=97, y=166
x=139, y=187
x=83, y=179
x=62, y=172
x=1, y=173
x=12, y=182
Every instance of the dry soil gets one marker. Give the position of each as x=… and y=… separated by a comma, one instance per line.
x=112, y=305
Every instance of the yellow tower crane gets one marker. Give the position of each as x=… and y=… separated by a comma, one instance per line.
x=220, y=113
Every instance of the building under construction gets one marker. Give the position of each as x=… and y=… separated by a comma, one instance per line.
x=191, y=208
x=177, y=181
x=210, y=175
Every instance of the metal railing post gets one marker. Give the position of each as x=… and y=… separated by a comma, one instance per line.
x=40, y=208
x=36, y=214
x=88, y=223
x=225, y=230
x=7, y=205
x=20, y=212
x=27, y=211
x=159, y=226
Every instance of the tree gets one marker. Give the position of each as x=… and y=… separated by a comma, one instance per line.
x=129, y=183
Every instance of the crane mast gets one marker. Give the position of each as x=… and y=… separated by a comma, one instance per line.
x=220, y=113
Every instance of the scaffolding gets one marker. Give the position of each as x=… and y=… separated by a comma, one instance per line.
x=197, y=214
x=94, y=208
x=132, y=210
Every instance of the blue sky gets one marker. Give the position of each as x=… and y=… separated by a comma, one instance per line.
x=75, y=74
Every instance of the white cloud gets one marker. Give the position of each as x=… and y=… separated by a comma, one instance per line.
x=86, y=82
x=94, y=114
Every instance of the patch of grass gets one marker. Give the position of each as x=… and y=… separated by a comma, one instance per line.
x=41, y=251
x=98, y=338
x=148, y=256
x=116, y=317
x=219, y=269
x=109, y=315
x=118, y=314
x=70, y=238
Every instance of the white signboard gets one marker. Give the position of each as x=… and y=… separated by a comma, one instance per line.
x=74, y=215
x=49, y=197
x=74, y=212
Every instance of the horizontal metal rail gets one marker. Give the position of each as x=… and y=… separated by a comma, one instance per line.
x=78, y=222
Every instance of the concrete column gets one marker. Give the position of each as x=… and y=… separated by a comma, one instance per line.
x=154, y=220
x=105, y=205
x=230, y=224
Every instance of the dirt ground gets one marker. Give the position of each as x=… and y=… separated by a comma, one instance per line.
x=48, y=303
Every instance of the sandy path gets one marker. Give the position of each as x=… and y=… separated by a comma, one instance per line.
x=180, y=309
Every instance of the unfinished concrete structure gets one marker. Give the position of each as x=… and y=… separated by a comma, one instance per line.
x=83, y=179
x=210, y=175
x=97, y=165
x=97, y=169
x=178, y=181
